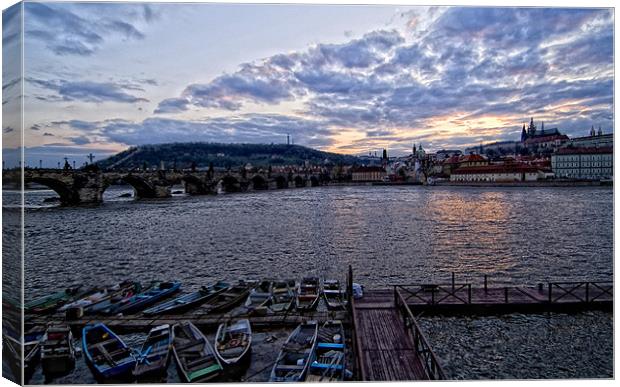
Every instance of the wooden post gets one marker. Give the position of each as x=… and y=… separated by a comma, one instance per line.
x=350, y=283
x=452, y=282
x=485, y=283
x=469, y=291
x=587, y=292
x=506, y=294
x=540, y=287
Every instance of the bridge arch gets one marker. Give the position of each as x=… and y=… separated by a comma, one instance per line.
x=299, y=181
x=314, y=181
x=194, y=185
x=259, y=183
x=230, y=184
x=65, y=192
x=142, y=188
x=281, y=182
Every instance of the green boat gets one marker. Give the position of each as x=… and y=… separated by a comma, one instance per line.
x=51, y=302
x=195, y=356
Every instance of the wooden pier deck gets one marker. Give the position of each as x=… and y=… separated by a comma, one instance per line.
x=141, y=323
x=387, y=344
x=465, y=299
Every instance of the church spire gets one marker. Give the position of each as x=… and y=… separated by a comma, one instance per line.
x=531, y=130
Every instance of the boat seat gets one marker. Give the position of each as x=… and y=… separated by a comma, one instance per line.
x=324, y=366
x=180, y=348
x=330, y=345
x=194, y=363
x=286, y=367
x=102, y=343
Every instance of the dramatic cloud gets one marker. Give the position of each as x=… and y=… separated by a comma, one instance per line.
x=447, y=77
x=88, y=91
x=68, y=29
x=476, y=65
x=172, y=105
x=251, y=128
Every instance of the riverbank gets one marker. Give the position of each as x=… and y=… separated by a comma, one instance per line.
x=550, y=183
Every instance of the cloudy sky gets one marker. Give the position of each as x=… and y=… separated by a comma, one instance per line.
x=100, y=77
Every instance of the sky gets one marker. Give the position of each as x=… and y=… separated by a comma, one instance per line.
x=100, y=77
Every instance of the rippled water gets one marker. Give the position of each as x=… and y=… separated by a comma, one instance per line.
x=516, y=346
x=388, y=234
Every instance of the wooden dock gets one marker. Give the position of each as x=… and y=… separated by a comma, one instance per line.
x=463, y=298
x=141, y=323
x=389, y=345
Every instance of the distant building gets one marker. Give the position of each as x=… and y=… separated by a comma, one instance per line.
x=501, y=147
x=533, y=132
x=546, y=143
x=583, y=163
x=446, y=153
x=543, y=140
x=473, y=160
x=368, y=173
x=497, y=173
x=594, y=140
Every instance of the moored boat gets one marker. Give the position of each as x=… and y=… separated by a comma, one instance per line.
x=187, y=301
x=98, y=296
x=327, y=363
x=308, y=294
x=229, y=298
x=195, y=357
x=57, y=352
x=259, y=297
x=294, y=358
x=106, y=354
x=32, y=350
x=233, y=342
x=154, y=355
x=334, y=296
x=51, y=302
x=283, y=296
x=118, y=297
x=142, y=300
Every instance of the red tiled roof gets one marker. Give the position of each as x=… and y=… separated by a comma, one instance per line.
x=506, y=168
x=367, y=169
x=452, y=160
x=473, y=157
x=581, y=151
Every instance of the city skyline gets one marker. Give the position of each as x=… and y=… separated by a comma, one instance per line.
x=345, y=79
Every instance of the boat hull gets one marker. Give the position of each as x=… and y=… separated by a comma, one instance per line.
x=101, y=372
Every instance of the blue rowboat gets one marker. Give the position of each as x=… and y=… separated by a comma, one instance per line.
x=327, y=362
x=140, y=301
x=188, y=301
x=294, y=358
x=107, y=356
x=154, y=357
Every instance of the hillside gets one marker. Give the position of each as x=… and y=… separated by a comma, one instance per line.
x=220, y=155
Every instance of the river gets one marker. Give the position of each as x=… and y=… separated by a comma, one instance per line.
x=388, y=234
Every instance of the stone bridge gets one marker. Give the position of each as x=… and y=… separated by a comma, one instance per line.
x=83, y=186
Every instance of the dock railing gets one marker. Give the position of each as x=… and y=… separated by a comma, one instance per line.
x=434, y=294
x=584, y=291
x=432, y=367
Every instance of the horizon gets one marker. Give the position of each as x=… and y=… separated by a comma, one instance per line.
x=343, y=79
